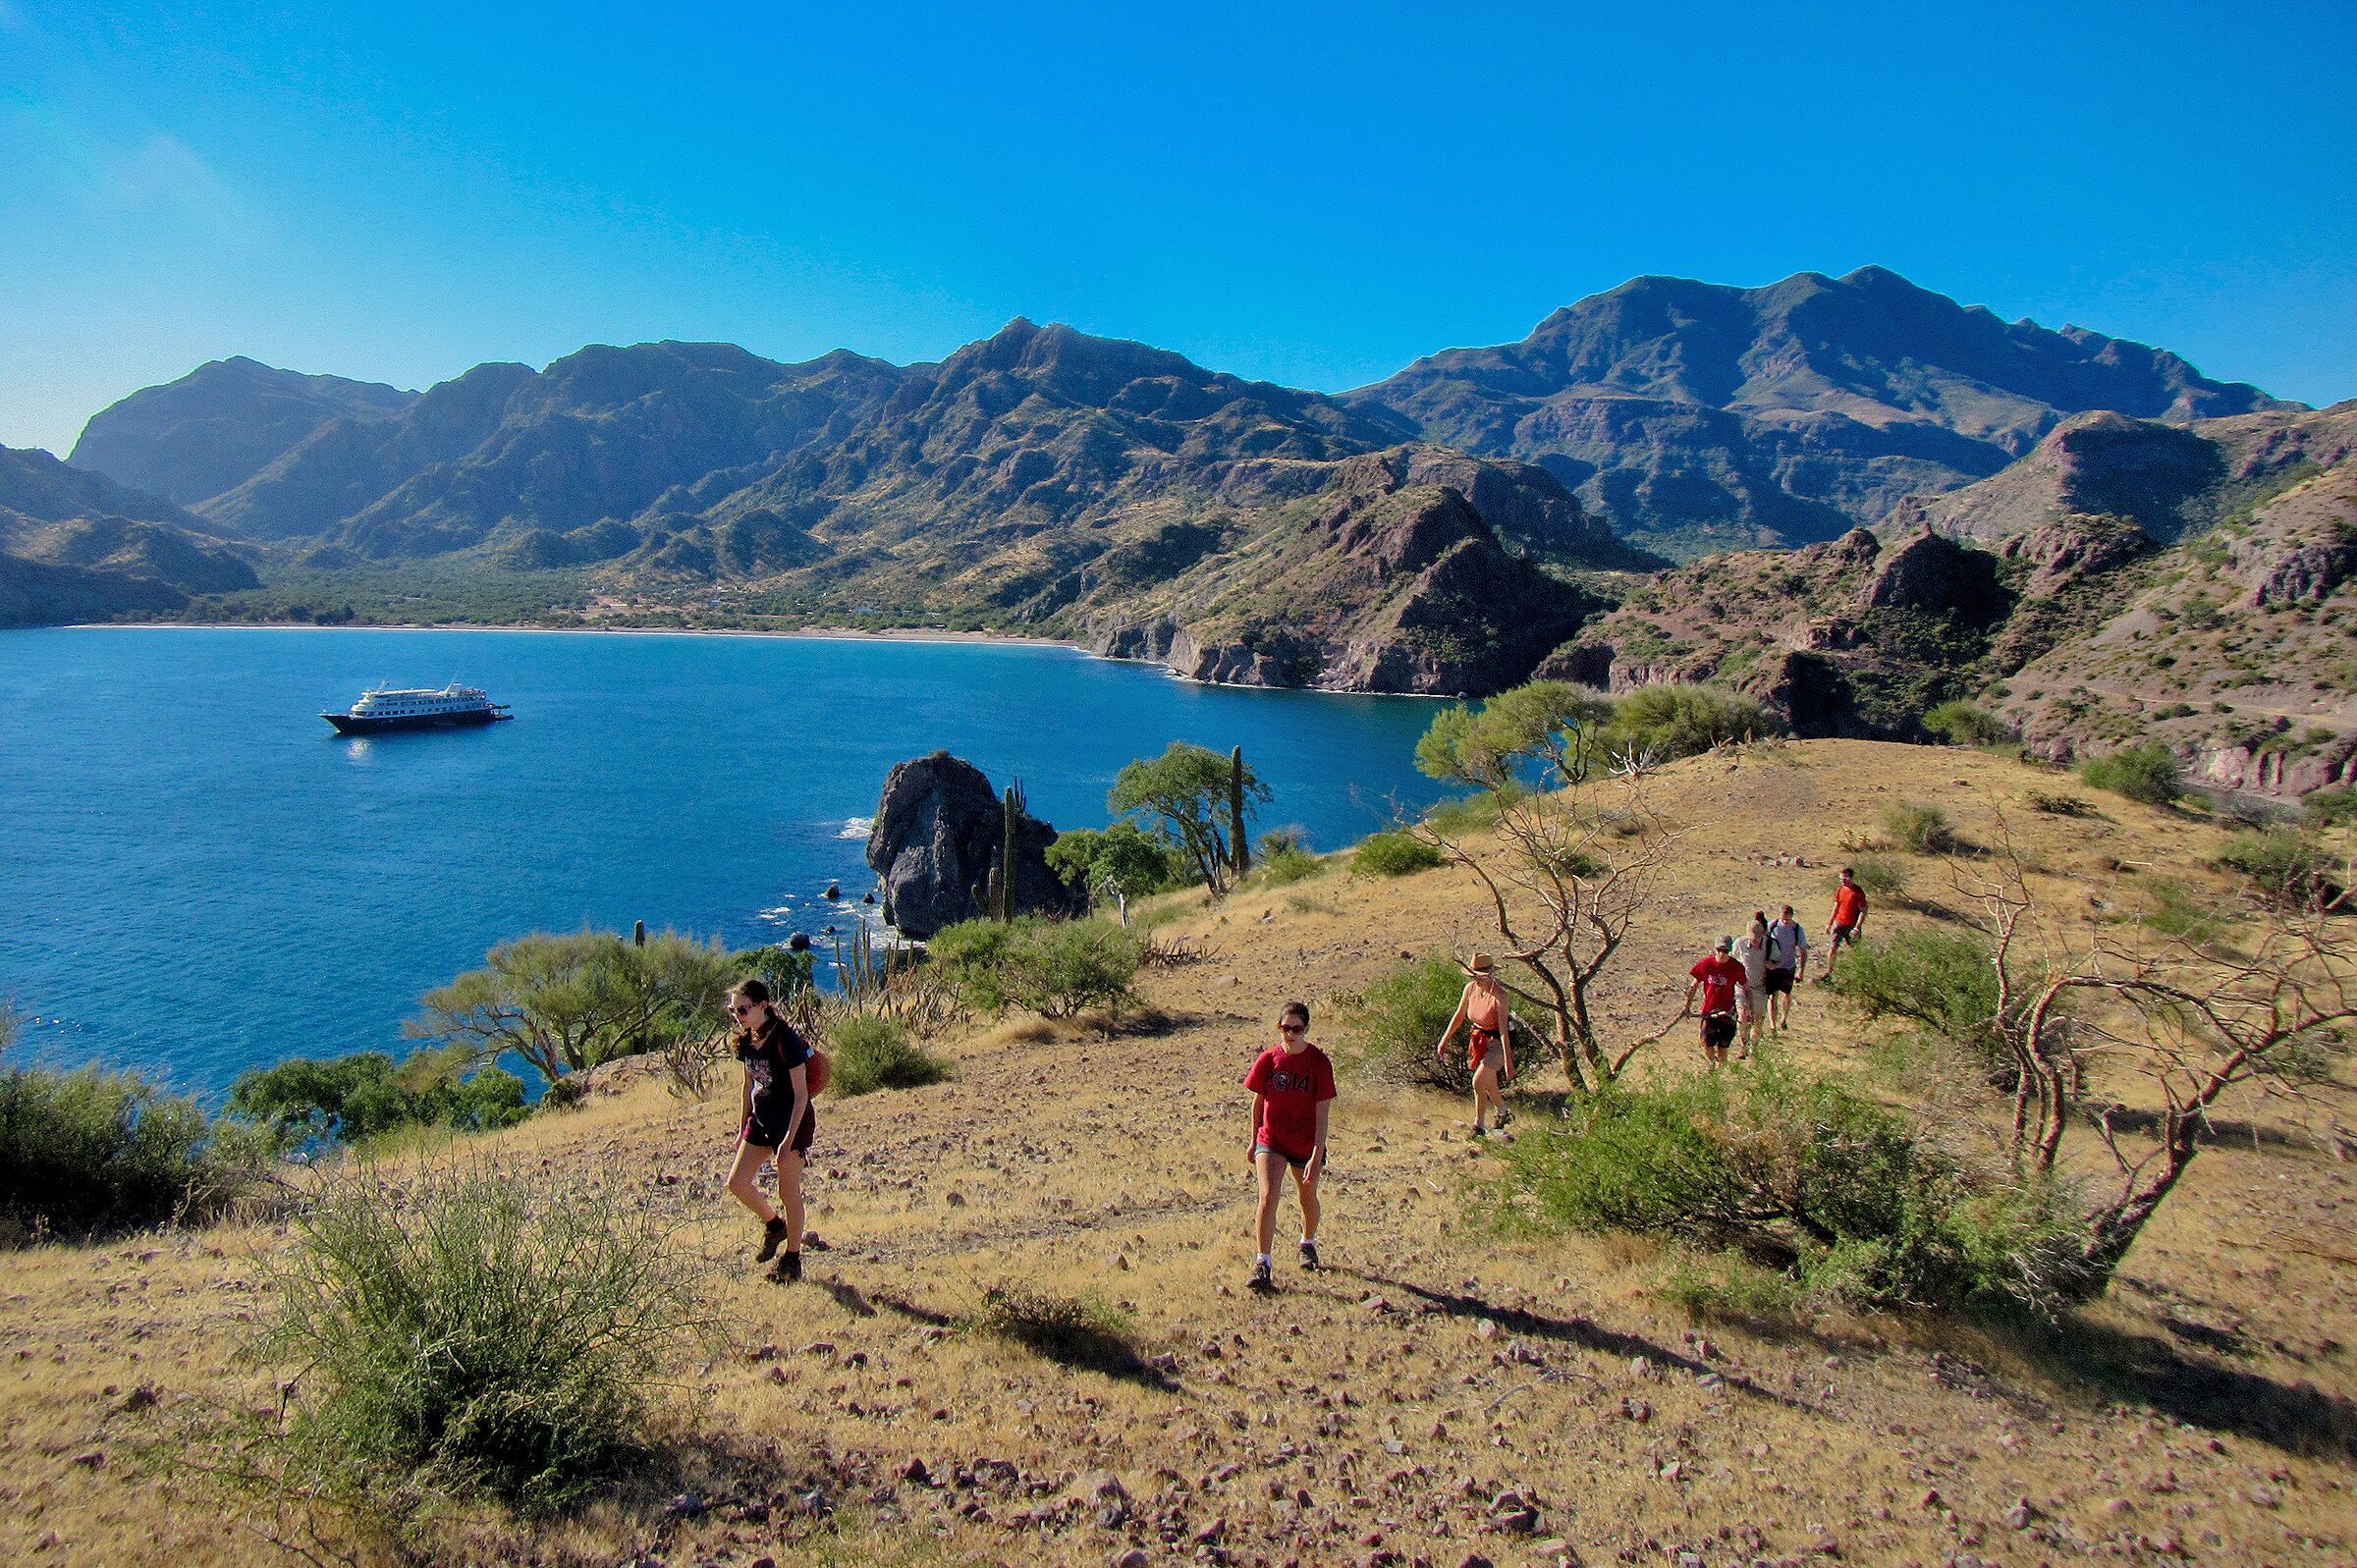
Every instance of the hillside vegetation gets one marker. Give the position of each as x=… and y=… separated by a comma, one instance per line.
x=1028, y=1340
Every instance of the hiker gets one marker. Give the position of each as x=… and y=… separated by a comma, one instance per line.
x=1717, y=976
x=1291, y=1084
x=1849, y=919
x=1751, y=1009
x=1787, y=967
x=778, y=1122
x=1481, y=1011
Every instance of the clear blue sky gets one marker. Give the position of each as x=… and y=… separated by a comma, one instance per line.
x=1315, y=195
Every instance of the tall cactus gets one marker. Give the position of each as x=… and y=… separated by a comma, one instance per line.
x=1003, y=895
x=1239, y=851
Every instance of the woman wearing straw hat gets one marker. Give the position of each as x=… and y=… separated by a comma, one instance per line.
x=1482, y=1012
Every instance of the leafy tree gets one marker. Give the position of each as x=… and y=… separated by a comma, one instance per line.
x=1660, y=724
x=566, y=1002
x=368, y=1092
x=1185, y=793
x=1123, y=858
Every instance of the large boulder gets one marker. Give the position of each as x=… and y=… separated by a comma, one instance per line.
x=939, y=830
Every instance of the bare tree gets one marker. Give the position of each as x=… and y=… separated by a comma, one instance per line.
x=1584, y=849
x=2192, y=1019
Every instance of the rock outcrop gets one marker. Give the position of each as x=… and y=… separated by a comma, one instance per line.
x=1389, y=579
x=939, y=830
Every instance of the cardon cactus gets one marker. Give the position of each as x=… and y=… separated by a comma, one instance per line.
x=1239, y=851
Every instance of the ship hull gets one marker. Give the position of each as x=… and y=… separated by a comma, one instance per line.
x=362, y=724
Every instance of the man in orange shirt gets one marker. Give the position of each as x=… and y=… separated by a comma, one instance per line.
x=1850, y=918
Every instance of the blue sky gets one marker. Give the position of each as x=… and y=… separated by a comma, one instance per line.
x=1311, y=195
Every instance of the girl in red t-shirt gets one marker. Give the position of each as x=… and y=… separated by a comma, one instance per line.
x=1291, y=1084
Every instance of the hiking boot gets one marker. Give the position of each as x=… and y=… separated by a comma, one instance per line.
x=1309, y=1257
x=789, y=1270
x=772, y=1234
x=1261, y=1282
x=1504, y=1116
x=1480, y=1132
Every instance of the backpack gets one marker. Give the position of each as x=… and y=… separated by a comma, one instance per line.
x=817, y=1069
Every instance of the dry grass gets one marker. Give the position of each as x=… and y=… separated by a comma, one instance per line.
x=2209, y=1402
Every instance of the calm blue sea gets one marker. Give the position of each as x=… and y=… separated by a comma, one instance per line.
x=198, y=875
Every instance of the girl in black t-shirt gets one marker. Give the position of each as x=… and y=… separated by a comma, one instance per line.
x=778, y=1122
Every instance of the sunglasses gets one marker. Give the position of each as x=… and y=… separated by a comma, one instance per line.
x=743, y=1010
x=1292, y=1028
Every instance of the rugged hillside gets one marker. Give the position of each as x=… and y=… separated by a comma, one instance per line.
x=78, y=546
x=219, y=424
x=1697, y=415
x=2169, y=480
x=1390, y=580
x=1856, y=636
x=2238, y=648
x=505, y=454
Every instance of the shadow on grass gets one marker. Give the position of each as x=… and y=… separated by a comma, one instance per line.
x=1578, y=1332
x=2145, y=1370
x=1084, y=1347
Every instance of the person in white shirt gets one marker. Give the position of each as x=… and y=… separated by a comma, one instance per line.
x=1788, y=964
x=1752, y=954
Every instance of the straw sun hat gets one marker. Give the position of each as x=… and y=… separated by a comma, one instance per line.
x=1481, y=964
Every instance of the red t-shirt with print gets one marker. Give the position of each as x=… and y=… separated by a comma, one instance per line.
x=1291, y=1084
x=1849, y=904
x=1720, y=975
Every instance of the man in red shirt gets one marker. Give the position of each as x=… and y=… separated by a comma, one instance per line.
x=1850, y=918
x=1293, y=1084
x=1718, y=977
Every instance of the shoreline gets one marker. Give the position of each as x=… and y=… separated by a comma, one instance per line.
x=934, y=634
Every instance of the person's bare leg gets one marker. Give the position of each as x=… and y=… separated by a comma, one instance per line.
x=789, y=1196
x=1269, y=1163
x=745, y=1187
x=1307, y=1191
x=1485, y=1089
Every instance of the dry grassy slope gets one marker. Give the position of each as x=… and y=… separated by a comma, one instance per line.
x=1321, y=1427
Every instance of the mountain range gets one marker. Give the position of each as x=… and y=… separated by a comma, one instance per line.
x=1947, y=498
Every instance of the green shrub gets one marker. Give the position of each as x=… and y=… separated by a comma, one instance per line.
x=2060, y=805
x=1923, y=828
x=872, y=1053
x=1396, y=854
x=485, y=1330
x=2331, y=808
x=1053, y=967
x=2289, y=869
x=91, y=1150
x=1667, y=722
x=1286, y=865
x=1943, y=980
x=366, y=1093
x=787, y=973
x=1880, y=876
x=1802, y=1171
x=2148, y=773
x=1961, y=724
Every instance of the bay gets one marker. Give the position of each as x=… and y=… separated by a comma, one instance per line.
x=197, y=876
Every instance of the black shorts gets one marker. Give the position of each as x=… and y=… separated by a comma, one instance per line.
x=1842, y=934
x=765, y=1128
x=1297, y=1161
x=1779, y=980
x=1718, y=1030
